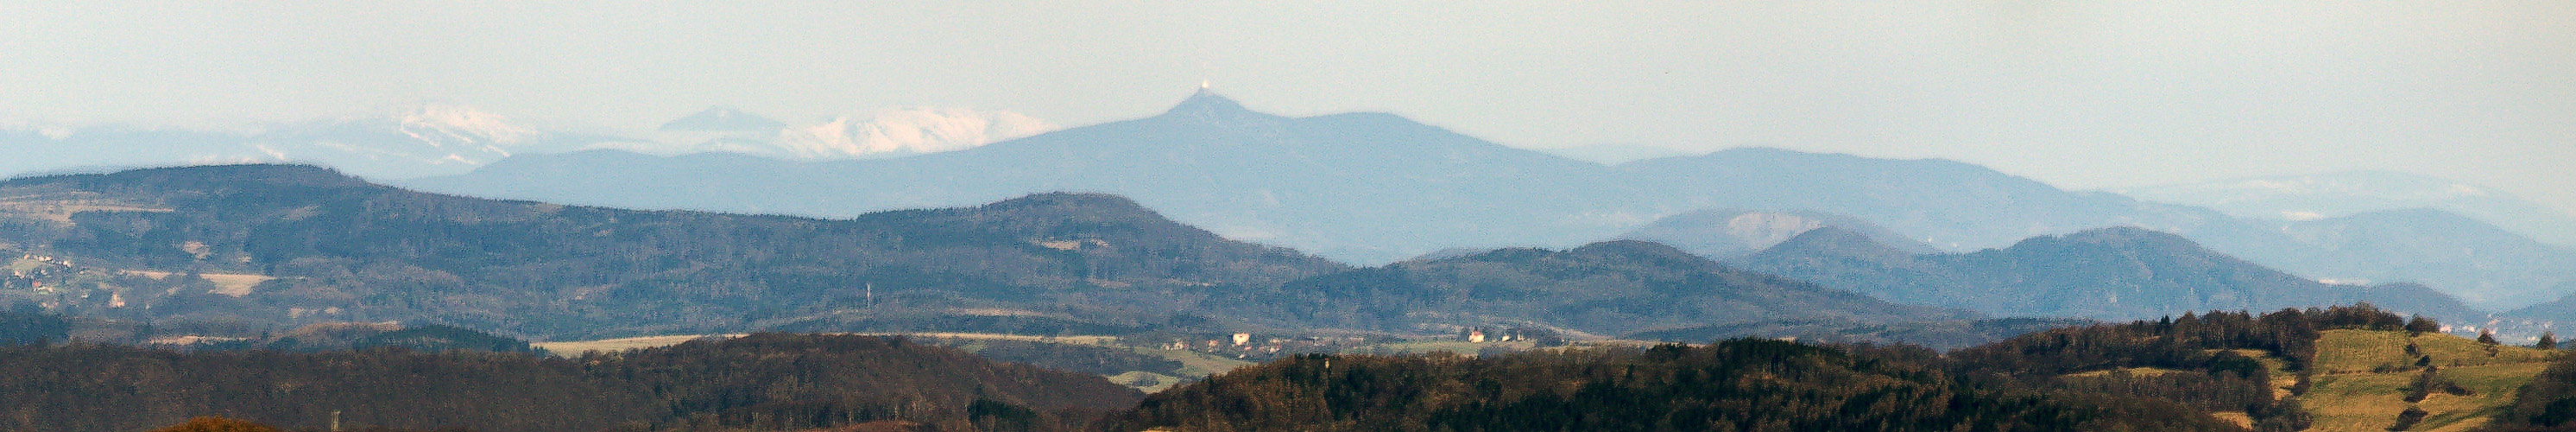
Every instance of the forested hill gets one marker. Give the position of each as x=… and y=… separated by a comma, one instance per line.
x=1609, y=288
x=2355, y=368
x=309, y=244
x=2108, y=274
x=1737, y=385
x=757, y=382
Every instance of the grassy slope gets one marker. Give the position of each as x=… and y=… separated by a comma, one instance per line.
x=2348, y=395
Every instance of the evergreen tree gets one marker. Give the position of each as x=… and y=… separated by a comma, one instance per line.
x=2419, y=326
x=2548, y=340
x=2406, y=419
x=2486, y=337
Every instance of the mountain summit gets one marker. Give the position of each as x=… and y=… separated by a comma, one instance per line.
x=1206, y=104
x=1349, y=185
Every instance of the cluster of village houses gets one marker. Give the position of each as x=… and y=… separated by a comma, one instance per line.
x=1245, y=346
x=33, y=278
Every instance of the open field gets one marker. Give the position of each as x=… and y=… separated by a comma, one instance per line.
x=231, y=284
x=2362, y=379
x=1194, y=364
x=1143, y=381
x=571, y=348
x=1080, y=340
x=2361, y=351
x=59, y=207
x=22, y=264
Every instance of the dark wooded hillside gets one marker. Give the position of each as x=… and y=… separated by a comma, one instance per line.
x=334, y=248
x=1744, y=384
x=762, y=381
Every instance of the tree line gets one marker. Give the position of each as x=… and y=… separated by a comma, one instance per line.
x=762, y=381
x=2164, y=374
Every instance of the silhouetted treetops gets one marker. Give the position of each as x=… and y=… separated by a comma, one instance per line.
x=2165, y=374
x=761, y=381
x=2204, y=360
x=1742, y=384
x=25, y=324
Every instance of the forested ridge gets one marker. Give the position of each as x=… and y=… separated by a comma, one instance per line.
x=2119, y=273
x=2197, y=359
x=1613, y=287
x=334, y=248
x=1743, y=384
x=283, y=246
x=2175, y=373
x=757, y=382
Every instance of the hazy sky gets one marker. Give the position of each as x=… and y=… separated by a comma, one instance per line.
x=2081, y=95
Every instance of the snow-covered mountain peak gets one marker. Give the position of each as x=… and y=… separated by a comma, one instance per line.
x=907, y=131
x=441, y=123
x=49, y=130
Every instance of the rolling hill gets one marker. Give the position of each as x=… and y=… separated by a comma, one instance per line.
x=282, y=246
x=1729, y=234
x=422, y=140
x=2110, y=274
x=334, y=248
x=1608, y=288
x=2482, y=264
x=763, y=381
x=2330, y=195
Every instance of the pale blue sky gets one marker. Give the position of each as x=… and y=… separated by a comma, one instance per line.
x=2081, y=95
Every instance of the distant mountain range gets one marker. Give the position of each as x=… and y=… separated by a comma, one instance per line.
x=2548, y=314
x=426, y=140
x=1365, y=187
x=1375, y=188
x=1362, y=187
x=2105, y=274
x=2320, y=196
x=2480, y=263
x=286, y=245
